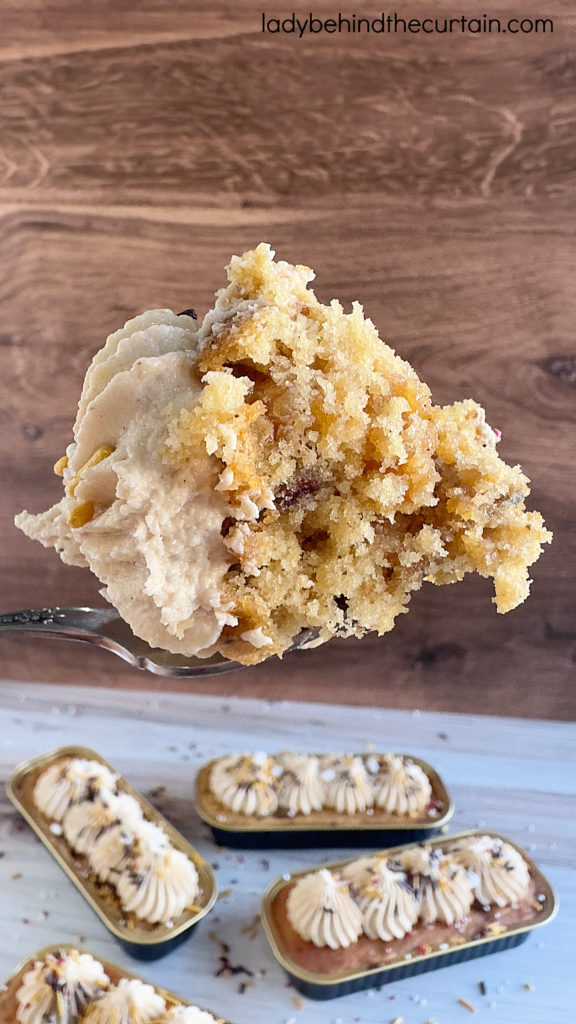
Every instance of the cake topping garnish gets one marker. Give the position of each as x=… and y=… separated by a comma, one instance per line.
x=58, y=989
x=402, y=787
x=129, y=1002
x=321, y=909
x=246, y=784
x=499, y=873
x=348, y=784
x=66, y=782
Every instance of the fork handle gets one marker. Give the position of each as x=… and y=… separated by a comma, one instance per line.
x=71, y=623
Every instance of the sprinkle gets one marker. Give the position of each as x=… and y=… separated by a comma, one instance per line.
x=444, y=945
x=482, y=988
x=528, y=986
x=467, y=1006
x=56, y=829
x=494, y=929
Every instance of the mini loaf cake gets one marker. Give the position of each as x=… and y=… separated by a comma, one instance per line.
x=67, y=987
x=152, y=881
x=340, y=787
x=379, y=909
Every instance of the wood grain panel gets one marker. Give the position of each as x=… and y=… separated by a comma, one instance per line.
x=430, y=178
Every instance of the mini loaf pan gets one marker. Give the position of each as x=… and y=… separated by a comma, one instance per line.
x=341, y=983
x=8, y=990
x=143, y=941
x=322, y=828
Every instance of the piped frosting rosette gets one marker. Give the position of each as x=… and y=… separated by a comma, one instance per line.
x=86, y=823
x=386, y=899
x=402, y=787
x=321, y=909
x=159, y=882
x=499, y=873
x=348, y=784
x=129, y=1002
x=59, y=988
x=301, y=787
x=442, y=886
x=247, y=784
x=66, y=782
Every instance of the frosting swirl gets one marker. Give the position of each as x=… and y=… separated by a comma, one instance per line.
x=58, y=988
x=501, y=874
x=301, y=787
x=66, y=782
x=129, y=1002
x=402, y=787
x=159, y=881
x=442, y=886
x=348, y=784
x=87, y=822
x=388, y=903
x=189, y=1015
x=321, y=910
x=245, y=783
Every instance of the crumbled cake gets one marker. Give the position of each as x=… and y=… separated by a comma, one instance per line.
x=371, y=488
x=278, y=468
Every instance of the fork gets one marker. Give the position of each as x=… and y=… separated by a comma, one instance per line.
x=105, y=628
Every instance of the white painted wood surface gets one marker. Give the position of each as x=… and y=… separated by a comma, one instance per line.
x=515, y=776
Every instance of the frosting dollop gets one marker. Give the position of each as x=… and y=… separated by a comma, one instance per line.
x=129, y=1002
x=348, y=784
x=442, y=886
x=321, y=910
x=500, y=873
x=245, y=783
x=85, y=823
x=58, y=988
x=159, y=881
x=188, y=1015
x=402, y=787
x=301, y=788
x=387, y=901
x=65, y=782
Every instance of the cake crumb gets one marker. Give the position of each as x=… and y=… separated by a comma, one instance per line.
x=528, y=986
x=297, y=1002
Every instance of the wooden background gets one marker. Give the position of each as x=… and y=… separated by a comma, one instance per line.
x=431, y=177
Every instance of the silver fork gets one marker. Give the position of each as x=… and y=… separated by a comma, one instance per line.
x=105, y=628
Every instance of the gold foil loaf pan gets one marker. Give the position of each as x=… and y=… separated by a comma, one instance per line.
x=321, y=972
x=275, y=823
x=141, y=938
x=115, y=974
